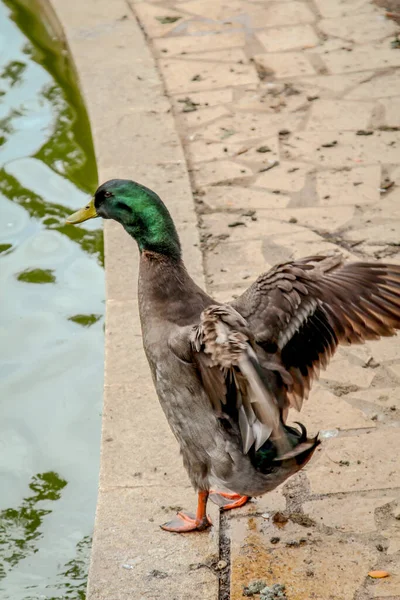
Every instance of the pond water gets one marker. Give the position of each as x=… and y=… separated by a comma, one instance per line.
x=51, y=317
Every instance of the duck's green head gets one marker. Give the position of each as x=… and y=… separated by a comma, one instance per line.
x=141, y=212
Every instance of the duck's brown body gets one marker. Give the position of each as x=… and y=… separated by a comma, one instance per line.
x=170, y=305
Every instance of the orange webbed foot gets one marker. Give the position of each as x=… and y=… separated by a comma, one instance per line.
x=184, y=522
x=228, y=501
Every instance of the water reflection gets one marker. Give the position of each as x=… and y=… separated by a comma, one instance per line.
x=51, y=324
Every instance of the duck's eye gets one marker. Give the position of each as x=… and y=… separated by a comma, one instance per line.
x=107, y=194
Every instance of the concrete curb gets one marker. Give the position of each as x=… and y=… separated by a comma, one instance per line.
x=141, y=477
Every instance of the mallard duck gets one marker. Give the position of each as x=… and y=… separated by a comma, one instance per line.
x=227, y=374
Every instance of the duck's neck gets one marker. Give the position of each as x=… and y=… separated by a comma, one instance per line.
x=166, y=290
x=155, y=232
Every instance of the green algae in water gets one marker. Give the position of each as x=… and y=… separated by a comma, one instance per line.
x=37, y=276
x=85, y=320
x=20, y=527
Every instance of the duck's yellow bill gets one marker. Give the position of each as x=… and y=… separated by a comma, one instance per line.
x=83, y=214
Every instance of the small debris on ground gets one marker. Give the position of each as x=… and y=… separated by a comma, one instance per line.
x=158, y=574
x=364, y=132
x=263, y=149
x=254, y=587
x=280, y=519
x=167, y=20
x=378, y=574
x=272, y=164
x=237, y=224
x=190, y=106
x=274, y=592
x=275, y=540
x=386, y=185
x=329, y=144
x=395, y=44
x=227, y=133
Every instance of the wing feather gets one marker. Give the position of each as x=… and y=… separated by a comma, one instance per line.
x=303, y=310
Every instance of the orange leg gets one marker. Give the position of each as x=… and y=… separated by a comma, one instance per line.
x=222, y=499
x=189, y=522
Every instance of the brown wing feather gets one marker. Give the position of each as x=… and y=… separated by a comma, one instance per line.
x=303, y=310
x=223, y=352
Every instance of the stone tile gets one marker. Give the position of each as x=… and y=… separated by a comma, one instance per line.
x=288, y=177
x=199, y=150
x=385, y=397
x=91, y=19
x=226, y=293
x=235, y=263
x=349, y=187
x=220, y=171
x=123, y=342
x=242, y=127
x=235, y=197
x=366, y=58
x=341, y=8
x=269, y=16
x=191, y=76
x=324, y=219
x=273, y=97
x=323, y=411
x=244, y=152
x=209, y=27
x=359, y=28
x=151, y=130
x=394, y=370
x=339, y=115
x=391, y=106
x=341, y=371
x=250, y=151
x=386, y=233
x=268, y=504
x=285, y=64
x=150, y=14
x=218, y=223
x=386, y=349
x=288, y=38
x=326, y=557
x=204, y=99
x=337, y=84
x=204, y=115
x=234, y=56
x=129, y=545
x=349, y=150
x=122, y=262
x=384, y=86
x=133, y=419
x=386, y=588
x=353, y=514
x=196, y=44
x=304, y=243
x=378, y=466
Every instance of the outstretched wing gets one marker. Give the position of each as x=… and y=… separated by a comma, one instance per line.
x=232, y=376
x=302, y=310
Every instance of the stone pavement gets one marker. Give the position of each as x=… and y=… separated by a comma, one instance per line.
x=289, y=113
x=289, y=116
